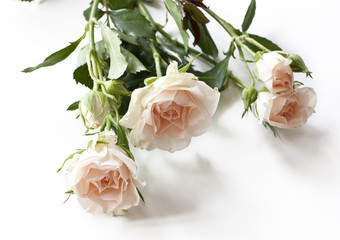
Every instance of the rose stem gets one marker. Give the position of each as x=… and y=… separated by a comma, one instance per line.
x=144, y=11
x=246, y=65
x=156, y=58
x=231, y=31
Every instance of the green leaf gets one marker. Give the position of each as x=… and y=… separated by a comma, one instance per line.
x=248, y=18
x=186, y=67
x=100, y=48
x=176, y=13
x=216, y=77
x=122, y=140
x=134, y=65
x=99, y=13
x=112, y=42
x=127, y=38
x=132, y=23
x=81, y=75
x=206, y=43
x=173, y=48
x=150, y=80
x=133, y=81
x=73, y=106
x=196, y=13
x=263, y=41
x=57, y=56
x=120, y=4
x=128, y=152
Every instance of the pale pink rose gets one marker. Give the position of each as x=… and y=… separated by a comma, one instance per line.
x=104, y=177
x=167, y=113
x=287, y=110
x=275, y=72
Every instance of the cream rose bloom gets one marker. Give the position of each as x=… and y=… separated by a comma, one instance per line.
x=287, y=110
x=167, y=113
x=104, y=177
x=275, y=72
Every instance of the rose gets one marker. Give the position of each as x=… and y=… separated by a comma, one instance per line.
x=275, y=72
x=167, y=113
x=93, y=108
x=289, y=110
x=104, y=177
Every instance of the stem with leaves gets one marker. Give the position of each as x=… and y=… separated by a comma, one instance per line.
x=236, y=80
x=159, y=28
x=231, y=31
x=93, y=61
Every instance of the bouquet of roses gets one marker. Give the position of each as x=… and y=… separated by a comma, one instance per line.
x=145, y=90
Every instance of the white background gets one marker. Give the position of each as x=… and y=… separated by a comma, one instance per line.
x=235, y=182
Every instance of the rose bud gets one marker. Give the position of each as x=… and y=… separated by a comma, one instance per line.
x=249, y=95
x=275, y=72
x=93, y=108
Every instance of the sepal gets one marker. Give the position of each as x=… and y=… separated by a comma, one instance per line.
x=249, y=96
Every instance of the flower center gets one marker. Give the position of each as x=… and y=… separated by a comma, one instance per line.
x=289, y=111
x=171, y=113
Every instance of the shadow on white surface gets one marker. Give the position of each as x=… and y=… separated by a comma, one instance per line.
x=178, y=190
x=308, y=140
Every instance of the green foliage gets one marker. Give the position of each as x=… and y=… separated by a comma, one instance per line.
x=118, y=63
x=206, y=43
x=263, y=41
x=176, y=13
x=132, y=23
x=127, y=38
x=99, y=13
x=81, y=73
x=248, y=18
x=195, y=13
x=150, y=80
x=186, y=67
x=122, y=140
x=216, y=77
x=57, y=56
x=74, y=106
x=134, y=65
x=120, y=4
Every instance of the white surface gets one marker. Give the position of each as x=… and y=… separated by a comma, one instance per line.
x=235, y=182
